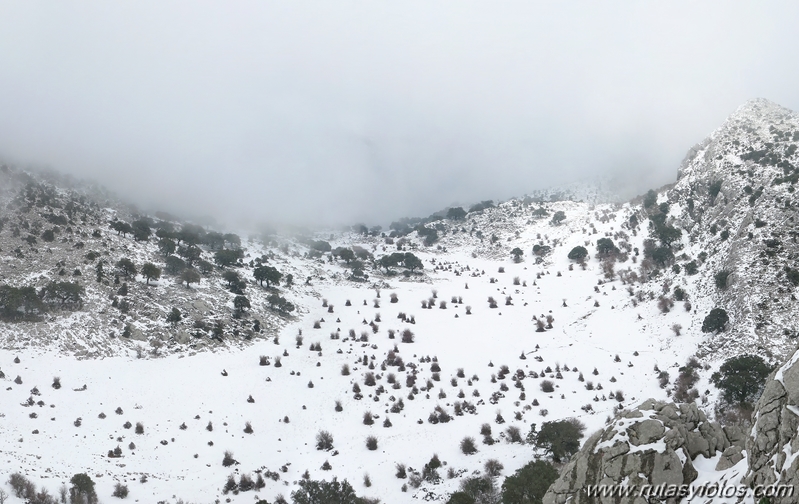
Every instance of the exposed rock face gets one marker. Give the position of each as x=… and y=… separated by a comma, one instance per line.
x=657, y=442
x=774, y=446
x=735, y=193
x=651, y=445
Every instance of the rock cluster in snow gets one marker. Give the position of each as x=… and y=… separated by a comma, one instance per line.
x=653, y=444
x=774, y=444
x=657, y=443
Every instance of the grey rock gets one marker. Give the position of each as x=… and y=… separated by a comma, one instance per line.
x=646, y=432
x=729, y=458
x=683, y=429
x=183, y=337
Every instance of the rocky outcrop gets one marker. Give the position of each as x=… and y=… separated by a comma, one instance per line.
x=773, y=447
x=736, y=198
x=657, y=443
x=653, y=444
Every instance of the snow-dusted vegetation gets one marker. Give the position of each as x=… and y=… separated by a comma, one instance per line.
x=183, y=362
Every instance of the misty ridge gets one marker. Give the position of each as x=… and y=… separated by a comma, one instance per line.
x=327, y=116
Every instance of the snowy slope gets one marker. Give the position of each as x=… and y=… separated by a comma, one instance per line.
x=606, y=317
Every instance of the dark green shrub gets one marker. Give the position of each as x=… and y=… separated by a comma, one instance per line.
x=578, y=253
x=560, y=438
x=716, y=321
x=720, y=279
x=741, y=378
x=529, y=484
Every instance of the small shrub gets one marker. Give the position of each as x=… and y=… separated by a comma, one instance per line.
x=493, y=468
x=371, y=443
x=368, y=418
x=120, y=490
x=468, y=446
x=547, y=386
x=514, y=434
x=228, y=459
x=230, y=485
x=324, y=440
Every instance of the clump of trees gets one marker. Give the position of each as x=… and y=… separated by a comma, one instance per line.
x=228, y=257
x=24, y=303
x=280, y=303
x=456, y=213
x=268, y=274
x=407, y=260
x=20, y=303
x=313, y=492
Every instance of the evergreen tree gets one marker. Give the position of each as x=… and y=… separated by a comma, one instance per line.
x=151, y=272
x=559, y=217
x=578, y=253
x=174, y=265
x=456, y=213
x=560, y=438
x=529, y=484
x=741, y=378
x=83, y=489
x=324, y=492
x=174, y=316
x=64, y=293
x=226, y=257
x=190, y=276
x=166, y=246
x=412, y=262
x=190, y=254
x=241, y=303
x=716, y=321
x=267, y=274
x=141, y=230
x=126, y=267
x=347, y=255
x=100, y=270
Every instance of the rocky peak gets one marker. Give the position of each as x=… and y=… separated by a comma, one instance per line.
x=735, y=198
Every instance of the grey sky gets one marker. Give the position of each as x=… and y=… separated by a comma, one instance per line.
x=368, y=111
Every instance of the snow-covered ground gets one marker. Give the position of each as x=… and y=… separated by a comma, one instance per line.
x=595, y=320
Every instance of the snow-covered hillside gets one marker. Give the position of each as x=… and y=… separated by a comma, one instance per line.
x=423, y=351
